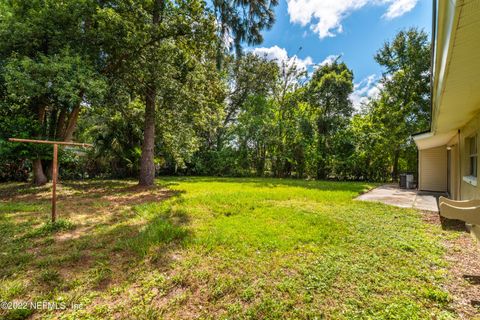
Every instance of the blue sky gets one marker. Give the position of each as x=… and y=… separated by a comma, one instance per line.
x=355, y=29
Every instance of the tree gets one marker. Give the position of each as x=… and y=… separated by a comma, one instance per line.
x=241, y=22
x=249, y=75
x=404, y=103
x=117, y=134
x=370, y=159
x=328, y=94
x=158, y=51
x=287, y=99
x=50, y=74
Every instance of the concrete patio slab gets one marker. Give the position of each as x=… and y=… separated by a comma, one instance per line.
x=391, y=194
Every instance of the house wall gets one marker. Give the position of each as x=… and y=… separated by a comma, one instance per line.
x=433, y=169
x=454, y=181
x=468, y=189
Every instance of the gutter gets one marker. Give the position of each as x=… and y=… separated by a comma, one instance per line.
x=422, y=132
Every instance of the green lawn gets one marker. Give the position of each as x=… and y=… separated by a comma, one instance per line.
x=219, y=248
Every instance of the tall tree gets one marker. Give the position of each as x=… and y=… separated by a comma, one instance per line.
x=328, y=94
x=162, y=41
x=286, y=98
x=147, y=164
x=404, y=103
x=241, y=22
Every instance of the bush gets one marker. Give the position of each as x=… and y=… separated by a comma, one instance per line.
x=17, y=170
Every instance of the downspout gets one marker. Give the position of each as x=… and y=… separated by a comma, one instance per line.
x=418, y=169
x=459, y=159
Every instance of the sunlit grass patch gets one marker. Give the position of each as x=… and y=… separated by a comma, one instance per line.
x=50, y=227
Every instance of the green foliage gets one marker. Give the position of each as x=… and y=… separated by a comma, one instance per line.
x=50, y=68
x=243, y=21
x=86, y=69
x=403, y=107
x=276, y=123
x=51, y=227
x=279, y=123
x=437, y=295
x=101, y=273
x=118, y=136
x=328, y=94
x=15, y=122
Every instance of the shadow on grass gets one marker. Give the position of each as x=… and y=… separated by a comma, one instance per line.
x=9, y=190
x=162, y=230
x=472, y=279
x=119, y=186
x=122, y=192
x=475, y=304
x=95, y=252
x=452, y=224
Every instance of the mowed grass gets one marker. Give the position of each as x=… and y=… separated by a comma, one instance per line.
x=220, y=248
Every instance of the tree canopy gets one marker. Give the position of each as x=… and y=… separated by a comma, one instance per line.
x=154, y=85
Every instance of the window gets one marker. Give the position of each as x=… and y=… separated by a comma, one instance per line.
x=472, y=155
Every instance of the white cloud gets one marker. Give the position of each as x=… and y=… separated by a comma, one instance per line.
x=280, y=55
x=329, y=60
x=365, y=90
x=398, y=8
x=325, y=16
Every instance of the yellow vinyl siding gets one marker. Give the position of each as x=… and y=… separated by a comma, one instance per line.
x=454, y=187
x=468, y=191
x=433, y=169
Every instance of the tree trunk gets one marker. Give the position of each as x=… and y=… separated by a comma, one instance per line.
x=324, y=131
x=321, y=151
x=48, y=169
x=59, y=131
x=53, y=123
x=147, y=165
x=39, y=177
x=71, y=123
x=259, y=160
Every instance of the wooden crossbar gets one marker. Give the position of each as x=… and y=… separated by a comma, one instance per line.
x=55, y=164
x=85, y=145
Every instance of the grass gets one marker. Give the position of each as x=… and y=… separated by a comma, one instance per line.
x=219, y=248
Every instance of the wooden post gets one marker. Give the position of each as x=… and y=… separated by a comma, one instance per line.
x=55, y=165
x=54, y=182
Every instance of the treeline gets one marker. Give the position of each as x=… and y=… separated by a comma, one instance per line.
x=159, y=88
x=281, y=121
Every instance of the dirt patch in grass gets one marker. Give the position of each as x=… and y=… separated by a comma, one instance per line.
x=463, y=256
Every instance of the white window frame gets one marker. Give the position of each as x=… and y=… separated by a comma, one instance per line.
x=472, y=161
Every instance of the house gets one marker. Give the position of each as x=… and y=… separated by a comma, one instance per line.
x=448, y=152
